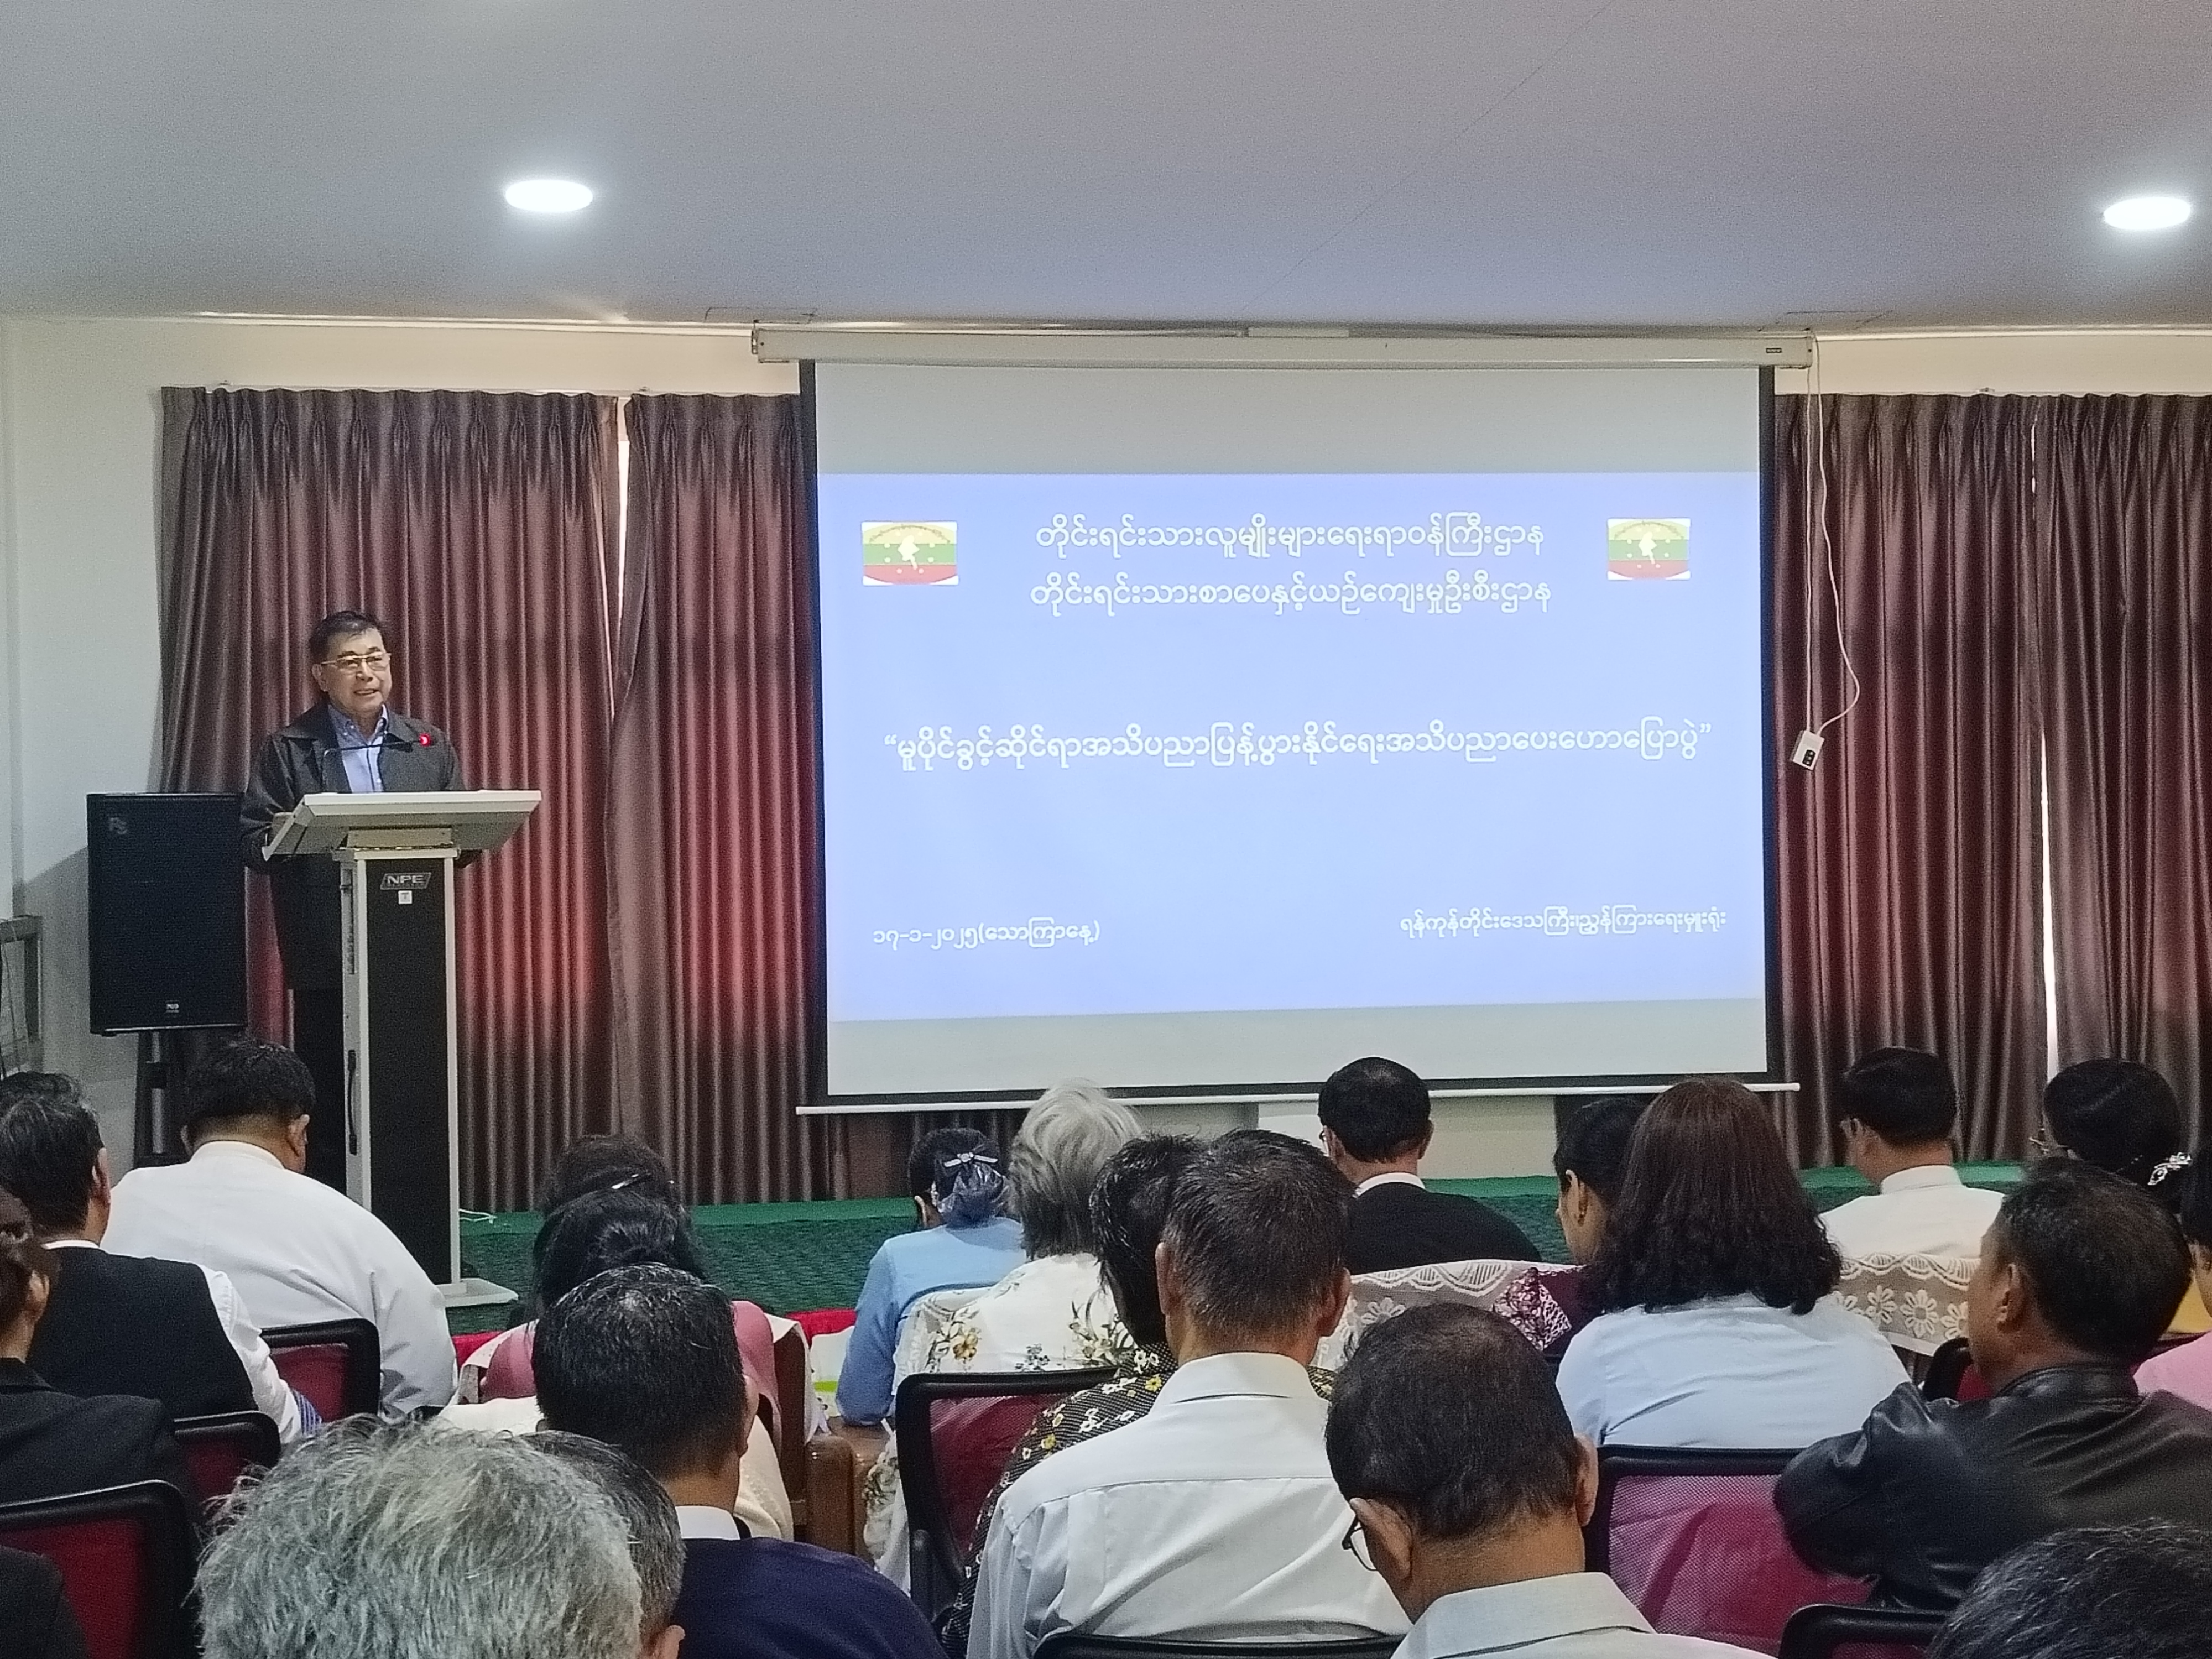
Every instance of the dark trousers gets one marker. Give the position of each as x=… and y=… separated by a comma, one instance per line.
x=319, y=1039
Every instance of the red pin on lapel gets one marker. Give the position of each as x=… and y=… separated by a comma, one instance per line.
x=424, y=740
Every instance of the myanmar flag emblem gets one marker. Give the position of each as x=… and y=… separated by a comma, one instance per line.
x=1647, y=550
x=897, y=555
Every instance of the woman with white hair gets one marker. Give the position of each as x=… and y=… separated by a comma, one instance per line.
x=1054, y=1313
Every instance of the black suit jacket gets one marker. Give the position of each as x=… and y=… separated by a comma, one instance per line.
x=1930, y=1491
x=35, y=1620
x=301, y=760
x=1397, y=1224
x=53, y=1444
x=121, y=1324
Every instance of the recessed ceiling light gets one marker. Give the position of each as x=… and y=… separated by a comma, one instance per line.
x=2147, y=213
x=548, y=195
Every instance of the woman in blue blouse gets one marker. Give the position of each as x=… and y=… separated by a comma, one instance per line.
x=966, y=1241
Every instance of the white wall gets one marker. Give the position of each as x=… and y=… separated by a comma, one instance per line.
x=79, y=455
x=79, y=648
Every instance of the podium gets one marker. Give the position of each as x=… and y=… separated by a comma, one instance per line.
x=395, y=855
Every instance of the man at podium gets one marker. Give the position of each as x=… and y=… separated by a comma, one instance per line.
x=351, y=742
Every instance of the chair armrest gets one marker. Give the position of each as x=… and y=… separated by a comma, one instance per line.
x=832, y=1516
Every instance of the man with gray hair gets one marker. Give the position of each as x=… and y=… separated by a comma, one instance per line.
x=377, y=1543
x=648, y=1514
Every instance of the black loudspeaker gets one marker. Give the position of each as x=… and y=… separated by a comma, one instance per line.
x=167, y=904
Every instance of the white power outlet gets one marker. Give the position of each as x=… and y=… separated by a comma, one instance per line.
x=1806, y=752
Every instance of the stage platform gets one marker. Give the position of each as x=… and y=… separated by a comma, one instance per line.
x=790, y=1257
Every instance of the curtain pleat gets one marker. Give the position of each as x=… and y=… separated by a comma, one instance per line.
x=479, y=526
x=2125, y=498
x=1908, y=858
x=713, y=846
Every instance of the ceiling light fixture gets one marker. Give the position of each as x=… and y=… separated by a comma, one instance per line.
x=2147, y=213
x=548, y=195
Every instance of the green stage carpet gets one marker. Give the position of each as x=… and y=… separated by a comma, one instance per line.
x=787, y=1257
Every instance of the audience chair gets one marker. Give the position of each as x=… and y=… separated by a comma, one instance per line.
x=1951, y=1374
x=336, y=1364
x=1379, y=1296
x=955, y=1432
x=1692, y=1538
x=1076, y=1644
x=223, y=1447
x=125, y=1555
x=1825, y=1631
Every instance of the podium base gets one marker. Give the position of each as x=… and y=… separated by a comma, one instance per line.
x=474, y=1293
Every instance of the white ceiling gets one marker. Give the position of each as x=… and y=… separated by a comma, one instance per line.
x=1598, y=162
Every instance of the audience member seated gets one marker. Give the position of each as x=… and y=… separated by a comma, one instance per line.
x=119, y=1324
x=1054, y=1313
x=34, y=1610
x=1128, y=1210
x=1549, y=1306
x=2076, y=1277
x=2090, y=1593
x=1375, y=1127
x=1213, y=1516
x=376, y=1541
x=648, y=1515
x=298, y=1252
x=1470, y=1490
x=1897, y=1109
x=1717, y=1322
x=2120, y=1116
x=964, y=1239
x=2186, y=1369
x=593, y=1164
x=643, y=1359
x=624, y=1226
x=52, y=1442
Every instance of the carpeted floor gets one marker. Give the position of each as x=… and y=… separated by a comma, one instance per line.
x=787, y=1257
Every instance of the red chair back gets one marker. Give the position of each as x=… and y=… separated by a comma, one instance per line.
x=335, y=1366
x=1693, y=1540
x=125, y=1556
x=974, y=1438
x=222, y=1449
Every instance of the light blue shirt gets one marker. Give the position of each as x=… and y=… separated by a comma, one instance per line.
x=361, y=754
x=1728, y=1371
x=905, y=1269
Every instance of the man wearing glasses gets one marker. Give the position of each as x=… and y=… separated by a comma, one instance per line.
x=351, y=742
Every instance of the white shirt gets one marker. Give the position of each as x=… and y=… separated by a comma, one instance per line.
x=299, y=1253
x=1923, y=1211
x=1728, y=1371
x=1211, y=1518
x=1388, y=1178
x=272, y=1395
x=705, y=1521
x=1581, y=1615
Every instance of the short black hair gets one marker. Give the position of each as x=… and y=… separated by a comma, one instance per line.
x=1906, y=1096
x=1258, y=1224
x=1710, y=1206
x=245, y=1081
x=2104, y=1261
x=648, y=1514
x=341, y=625
x=22, y=1259
x=1376, y=1107
x=645, y=1359
x=49, y=1145
x=1593, y=1144
x=1446, y=1414
x=613, y=1227
x=1129, y=1208
x=2196, y=1195
x=599, y=1161
x=2118, y=1114
x=2089, y=1593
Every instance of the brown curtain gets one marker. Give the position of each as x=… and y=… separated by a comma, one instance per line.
x=2126, y=494
x=478, y=526
x=1908, y=859
x=714, y=853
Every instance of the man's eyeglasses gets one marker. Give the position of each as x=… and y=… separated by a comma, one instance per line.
x=1355, y=1540
x=353, y=662
x=2043, y=1145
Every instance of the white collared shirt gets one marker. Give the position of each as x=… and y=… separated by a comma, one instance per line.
x=1580, y=1615
x=1923, y=1211
x=1211, y=1518
x=705, y=1521
x=1725, y=1372
x=1388, y=1178
x=272, y=1396
x=298, y=1252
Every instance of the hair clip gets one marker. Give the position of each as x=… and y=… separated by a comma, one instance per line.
x=2173, y=1165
